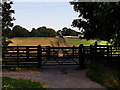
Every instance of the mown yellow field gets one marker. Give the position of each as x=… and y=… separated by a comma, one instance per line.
x=33, y=41
x=48, y=41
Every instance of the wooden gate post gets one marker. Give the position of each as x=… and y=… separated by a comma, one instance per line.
x=39, y=56
x=95, y=52
x=91, y=54
x=48, y=53
x=27, y=53
x=17, y=55
x=81, y=56
x=73, y=51
x=107, y=52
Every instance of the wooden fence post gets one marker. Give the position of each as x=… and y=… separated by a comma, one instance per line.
x=73, y=51
x=95, y=47
x=39, y=56
x=48, y=53
x=91, y=54
x=27, y=53
x=17, y=55
x=95, y=52
x=81, y=56
x=108, y=52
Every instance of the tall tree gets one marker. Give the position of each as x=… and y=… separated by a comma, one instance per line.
x=33, y=32
x=6, y=21
x=67, y=32
x=98, y=20
x=7, y=15
x=43, y=32
x=0, y=19
x=19, y=31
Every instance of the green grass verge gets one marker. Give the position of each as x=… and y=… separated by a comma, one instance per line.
x=64, y=71
x=110, y=78
x=8, y=82
x=85, y=42
x=22, y=69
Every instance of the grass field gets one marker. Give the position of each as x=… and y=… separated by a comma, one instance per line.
x=77, y=42
x=47, y=41
x=11, y=83
x=33, y=41
x=106, y=76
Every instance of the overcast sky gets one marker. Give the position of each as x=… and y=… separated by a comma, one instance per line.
x=35, y=14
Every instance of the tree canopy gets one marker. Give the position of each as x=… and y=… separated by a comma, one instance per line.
x=97, y=19
x=7, y=17
x=67, y=32
x=19, y=31
x=6, y=22
x=43, y=32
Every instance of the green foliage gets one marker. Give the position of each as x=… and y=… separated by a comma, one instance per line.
x=104, y=75
x=7, y=33
x=43, y=32
x=6, y=23
x=85, y=42
x=67, y=32
x=116, y=39
x=7, y=15
x=99, y=20
x=8, y=83
x=64, y=71
x=18, y=31
x=22, y=69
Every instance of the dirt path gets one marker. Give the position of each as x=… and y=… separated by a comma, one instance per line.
x=53, y=77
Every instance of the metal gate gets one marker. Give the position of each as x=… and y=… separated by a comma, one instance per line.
x=60, y=56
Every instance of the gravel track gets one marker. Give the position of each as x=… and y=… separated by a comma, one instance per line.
x=53, y=77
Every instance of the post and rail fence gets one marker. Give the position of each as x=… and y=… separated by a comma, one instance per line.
x=39, y=56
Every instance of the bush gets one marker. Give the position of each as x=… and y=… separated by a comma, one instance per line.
x=19, y=83
x=107, y=77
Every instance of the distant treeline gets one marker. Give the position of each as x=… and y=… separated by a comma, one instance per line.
x=18, y=31
x=67, y=32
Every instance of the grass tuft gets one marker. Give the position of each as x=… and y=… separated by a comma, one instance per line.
x=64, y=71
x=107, y=77
x=8, y=82
x=22, y=69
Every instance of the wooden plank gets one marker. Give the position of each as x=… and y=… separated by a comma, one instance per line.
x=22, y=46
x=63, y=48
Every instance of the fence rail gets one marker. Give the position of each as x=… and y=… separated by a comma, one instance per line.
x=38, y=56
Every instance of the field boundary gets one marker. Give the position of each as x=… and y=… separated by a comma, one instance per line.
x=38, y=55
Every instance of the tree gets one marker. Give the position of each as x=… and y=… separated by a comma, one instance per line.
x=67, y=32
x=59, y=32
x=7, y=33
x=7, y=16
x=51, y=32
x=19, y=31
x=43, y=32
x=0, y=18
x=6, y=21
x=98, y=20
x=33, y=32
